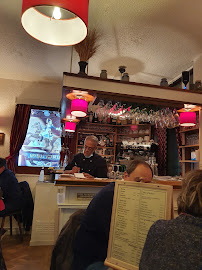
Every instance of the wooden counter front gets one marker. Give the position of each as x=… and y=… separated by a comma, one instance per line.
x=174, y=184
x=84, y=182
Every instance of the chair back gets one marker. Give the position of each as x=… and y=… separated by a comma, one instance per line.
x=28, y=205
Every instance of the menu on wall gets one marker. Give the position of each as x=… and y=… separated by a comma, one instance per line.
x=136, y=207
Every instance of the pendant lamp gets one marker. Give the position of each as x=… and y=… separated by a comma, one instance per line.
x=70, y=122
x=79, y=107
x=70, y=126
x=188, y=115
x=56, y=22
x=79, y=104
x=188, y=119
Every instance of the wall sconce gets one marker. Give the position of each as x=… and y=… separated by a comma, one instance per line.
x=79, y=104
x=2, y=137
x=59, y=23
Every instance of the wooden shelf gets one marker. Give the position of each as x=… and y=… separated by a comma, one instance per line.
x=99, y=146
x=188, y=130
x=98, y=132
x=132, y=135
x=108, y=147
x=107, y=155
x=189, y=146
x=111, y=125
x=189, y=161
x=104, y=129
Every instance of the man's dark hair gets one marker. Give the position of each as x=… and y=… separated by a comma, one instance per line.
x=3, y=163
x=134, y=163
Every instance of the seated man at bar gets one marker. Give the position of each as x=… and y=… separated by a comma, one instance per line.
x=91, y=241
x=88, y=162
x=11, y=193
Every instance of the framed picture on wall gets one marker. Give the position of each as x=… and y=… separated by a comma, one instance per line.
x=2, y=136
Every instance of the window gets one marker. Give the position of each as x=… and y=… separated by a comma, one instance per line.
x=42, y=144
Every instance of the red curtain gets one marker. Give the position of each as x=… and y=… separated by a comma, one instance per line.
x=18, y=133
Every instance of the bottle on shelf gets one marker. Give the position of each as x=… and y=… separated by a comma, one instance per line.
x=41, y=175
x=95, y=118
x=109, y=120
x=113, y=121
x=118, y=121
x=90, y=119
x=107, y=140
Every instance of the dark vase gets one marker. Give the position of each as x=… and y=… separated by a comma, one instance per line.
x=82, y=65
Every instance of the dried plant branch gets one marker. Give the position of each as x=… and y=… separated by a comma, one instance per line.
x=88, y=47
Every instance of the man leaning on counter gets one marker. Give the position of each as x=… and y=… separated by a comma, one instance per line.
x=89, y=163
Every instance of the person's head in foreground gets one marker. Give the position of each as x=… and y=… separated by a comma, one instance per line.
x=175, y=243
x=138, y=171
x=90, y=145
x=190, y=199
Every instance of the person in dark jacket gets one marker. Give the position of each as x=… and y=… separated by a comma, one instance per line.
x=62, y=255
x=91, y=241
x=88, y=162
x=12, y=195
x=177, y=243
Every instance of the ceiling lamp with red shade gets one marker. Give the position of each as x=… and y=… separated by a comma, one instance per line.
x=70, y=123
x=188, y=115
x=56, y=22
x=79, y=104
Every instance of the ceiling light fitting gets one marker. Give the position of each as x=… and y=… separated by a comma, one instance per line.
x=188, y=119
x=70, y=126
x=188, y=115
x=79, y=104
x=42, y=20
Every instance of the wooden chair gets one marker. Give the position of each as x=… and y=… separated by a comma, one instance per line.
x=17, y=215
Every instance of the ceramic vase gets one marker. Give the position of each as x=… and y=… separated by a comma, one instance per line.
x=82, y=66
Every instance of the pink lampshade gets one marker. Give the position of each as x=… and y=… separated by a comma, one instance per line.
x=79, y=107
x=188, y=119
x=70, y=126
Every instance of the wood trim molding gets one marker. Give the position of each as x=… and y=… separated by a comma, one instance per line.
x=139, y=91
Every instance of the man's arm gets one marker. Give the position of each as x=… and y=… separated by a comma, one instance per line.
x=72, y=167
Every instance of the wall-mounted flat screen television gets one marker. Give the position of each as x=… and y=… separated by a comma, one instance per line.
x=42, y=144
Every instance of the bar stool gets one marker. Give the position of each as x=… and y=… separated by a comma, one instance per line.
x=17, y=215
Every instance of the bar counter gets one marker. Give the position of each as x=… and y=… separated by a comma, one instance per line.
x=66, y=180
x=75, y=193
x=72, y=181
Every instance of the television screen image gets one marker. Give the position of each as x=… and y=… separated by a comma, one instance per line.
x=42, y=144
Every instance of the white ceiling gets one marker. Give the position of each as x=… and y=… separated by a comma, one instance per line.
x=153, y=38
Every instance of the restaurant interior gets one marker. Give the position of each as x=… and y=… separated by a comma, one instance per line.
x=130, y=74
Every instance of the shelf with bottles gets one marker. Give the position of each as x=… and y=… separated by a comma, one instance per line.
x=96, y=128
x=189, y=147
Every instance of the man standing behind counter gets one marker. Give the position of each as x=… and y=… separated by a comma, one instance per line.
x=88, y=162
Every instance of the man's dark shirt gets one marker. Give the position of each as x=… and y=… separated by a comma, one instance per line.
x=95, y=165
x=11, y=191
x=91, y=240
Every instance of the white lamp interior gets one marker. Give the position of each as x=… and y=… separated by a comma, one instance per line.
x=51, y=31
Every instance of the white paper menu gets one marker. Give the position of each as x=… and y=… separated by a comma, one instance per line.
x=136, y=207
